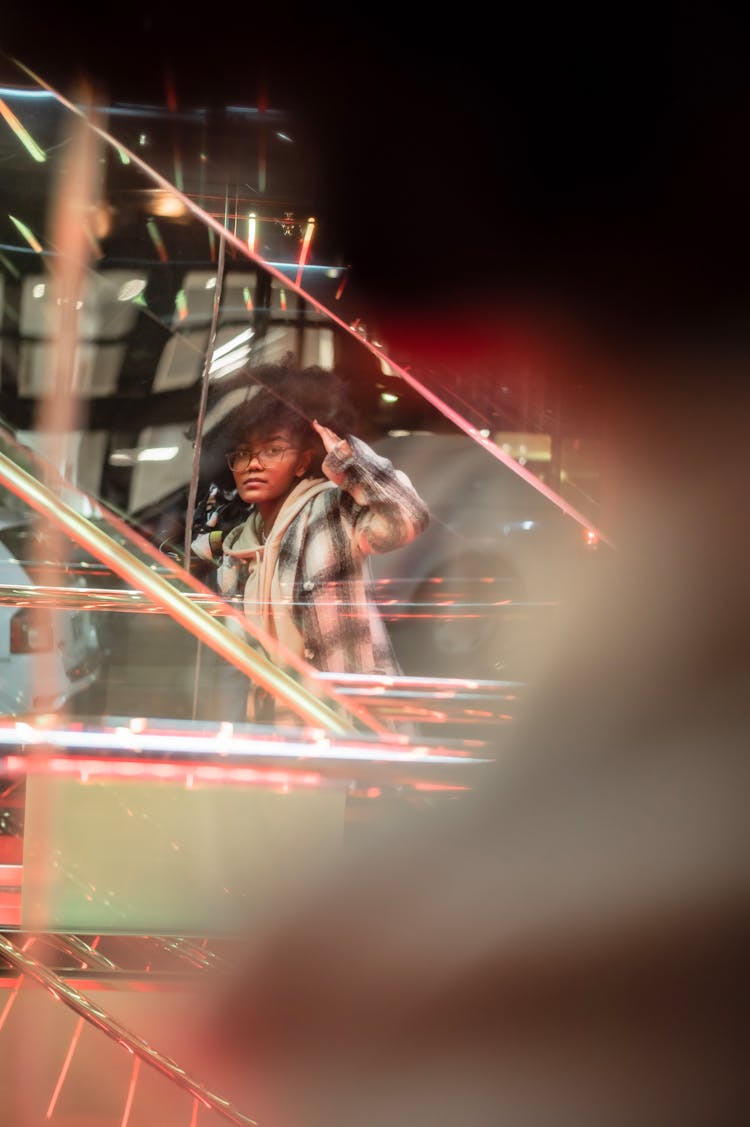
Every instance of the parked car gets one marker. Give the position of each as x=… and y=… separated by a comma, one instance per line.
x=47, y=655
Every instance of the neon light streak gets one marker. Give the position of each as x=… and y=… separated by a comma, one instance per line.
x=180, y=304
x=65, y=1067
x=305, y=248
x=252, y=230
x=8, y=1005
x=25, y=95
x=21, y=133
x=199, y=752
x=131, y=1092
x=27, y=233
x=187, y=747
x=157, y=240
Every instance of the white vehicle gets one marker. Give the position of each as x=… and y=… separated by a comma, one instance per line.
x=47, y=655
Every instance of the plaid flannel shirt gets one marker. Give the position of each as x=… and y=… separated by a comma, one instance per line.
x=323, y=562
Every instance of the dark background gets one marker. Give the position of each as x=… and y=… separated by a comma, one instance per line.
x=597, y=157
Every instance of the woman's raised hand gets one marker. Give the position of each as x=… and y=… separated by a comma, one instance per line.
x=328, y=437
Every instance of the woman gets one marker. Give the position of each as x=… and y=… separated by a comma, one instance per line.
x=321, y=501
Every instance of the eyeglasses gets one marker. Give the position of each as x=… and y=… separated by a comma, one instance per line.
x=267, y=457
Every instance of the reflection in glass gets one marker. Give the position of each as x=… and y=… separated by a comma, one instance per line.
x=128, y=335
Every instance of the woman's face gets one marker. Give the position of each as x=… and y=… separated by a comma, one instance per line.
x=266, y=466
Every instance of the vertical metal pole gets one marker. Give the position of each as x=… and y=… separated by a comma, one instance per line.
x=193, y=490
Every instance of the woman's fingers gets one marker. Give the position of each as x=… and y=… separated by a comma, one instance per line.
x=329, y=437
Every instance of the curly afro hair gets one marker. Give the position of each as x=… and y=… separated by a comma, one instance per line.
x=283, y=396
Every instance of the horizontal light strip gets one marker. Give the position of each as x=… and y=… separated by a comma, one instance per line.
x=218, y=749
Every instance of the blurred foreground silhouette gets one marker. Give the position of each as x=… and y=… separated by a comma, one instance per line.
x=567, y=947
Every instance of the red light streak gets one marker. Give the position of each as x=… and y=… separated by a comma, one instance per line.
x=65, y=1067
x=9, y=1004
x=131, y=1089
x=168, y=772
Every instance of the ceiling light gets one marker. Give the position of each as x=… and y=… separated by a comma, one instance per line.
x=132, y=289
x=158, y=453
